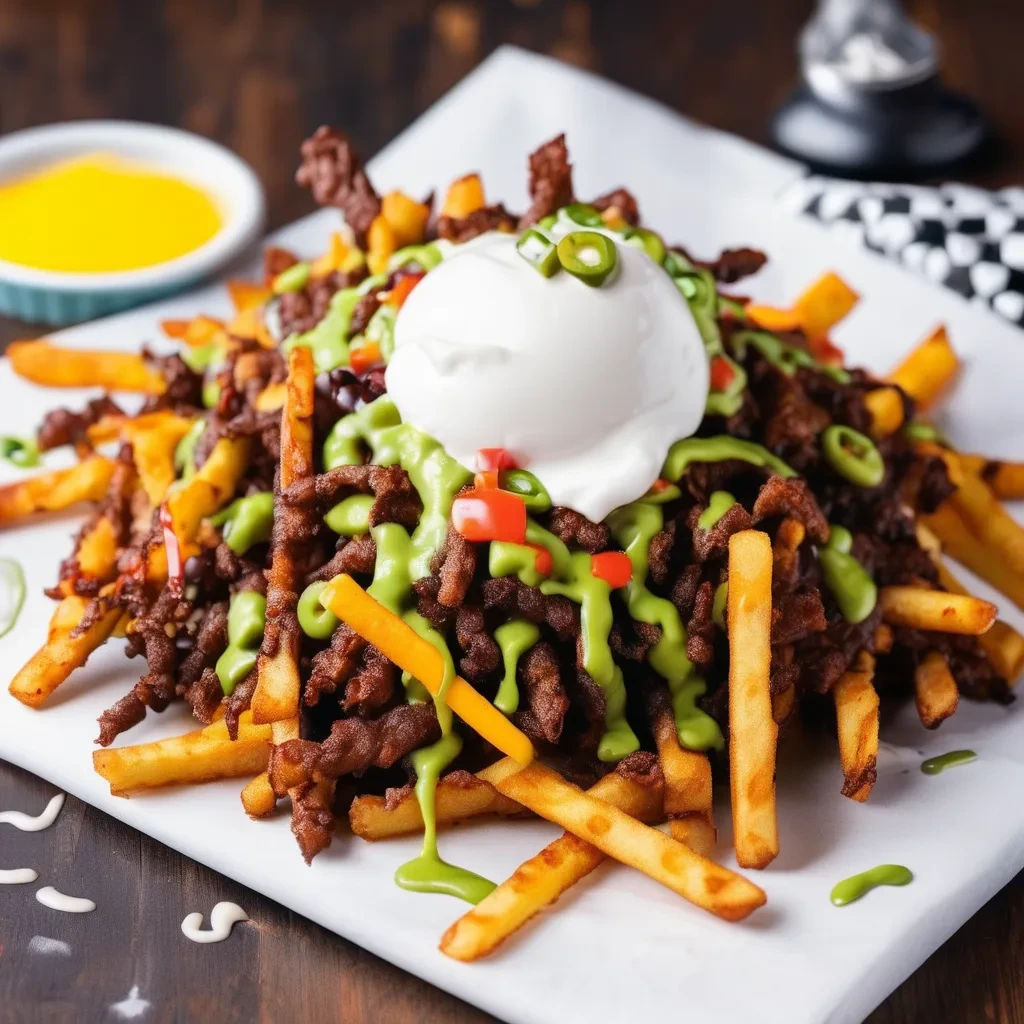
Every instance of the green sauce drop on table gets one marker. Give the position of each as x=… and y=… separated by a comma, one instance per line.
x=852, y=888
x=935, y=765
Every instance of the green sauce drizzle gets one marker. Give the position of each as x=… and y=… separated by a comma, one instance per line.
x=852, y=888
x=935, y=765
x=327, y=340
x=351, y=517
x=854, y=590
x=514, y=639
x=720, y=503
x=247, y=521
x=719, y=449
x=634, y=526
x=247, y=619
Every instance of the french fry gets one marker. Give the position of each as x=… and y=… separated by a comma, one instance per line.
x=1005, y=479
x=465, y=196
x=857, y=726
x=959, y=542
x=753, y=734
x=884, y=638
x=885, y=406
x=707, y=885
x=408, y=218
x=272, y=397
x=935, y=690
x=338, y=250
x=200, y=756
x=459, y=796
x=52, y=492
x=62, y=653
x=97, y=550
x=210, y=488
x=928, y=370
x=381, y=244
x=538, y=882
x=277, y=688
x=153, y=445
x=197, y=332
x=258, y=796
x=410, y=652
x=687, y=773
x=824, y=304
x=936, y=610
x=249, y=325
x=247, y=294
x=56, y=367
x=990, y=522
x=772, y=318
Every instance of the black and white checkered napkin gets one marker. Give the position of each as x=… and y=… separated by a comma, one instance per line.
x=969, y=239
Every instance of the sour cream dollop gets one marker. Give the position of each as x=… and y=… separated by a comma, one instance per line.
x=586, y=387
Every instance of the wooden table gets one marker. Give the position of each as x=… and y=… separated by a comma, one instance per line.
x=259, y=77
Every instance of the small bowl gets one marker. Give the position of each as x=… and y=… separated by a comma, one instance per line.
x=59, y=298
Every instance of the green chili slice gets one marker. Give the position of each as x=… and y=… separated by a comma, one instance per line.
x=852, y=455
x=528, y=487
x=12, y=593
x=589, y=256
x=649, y=241
x=918, y=430
x=584, y=214
x=315, y=620
x=539, y=252
x=19, y=451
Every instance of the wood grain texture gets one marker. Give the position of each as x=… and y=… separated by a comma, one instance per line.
x=259, y=75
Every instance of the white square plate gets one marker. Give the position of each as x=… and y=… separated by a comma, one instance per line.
x=618, y=947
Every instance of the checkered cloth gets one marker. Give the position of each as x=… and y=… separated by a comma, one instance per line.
x=969, y=239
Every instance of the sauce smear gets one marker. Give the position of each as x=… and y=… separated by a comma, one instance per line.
x=934, y=765
x=101, y=213
x=852, y=888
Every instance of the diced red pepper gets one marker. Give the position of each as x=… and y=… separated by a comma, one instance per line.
x=482, y=515
x=494, y=458
x=365, y=357
x=722, y=374
x=400, y=292
x=614, y=567
x=487, y=480
x=175, y=565
x=543, y=563
x=825, y=350
x=659, y=485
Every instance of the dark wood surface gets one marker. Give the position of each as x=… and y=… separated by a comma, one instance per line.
x=258, y=77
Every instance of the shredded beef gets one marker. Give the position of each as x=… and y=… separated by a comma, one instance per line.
x=546, y=701
x=700, y=643
x=659, y=553
x=514, y=598
x=334, y=665
x=372, y=686
x=711, y=543
x=362, y=314
x=455, y=567
x=791, y=499
x=572, y=527
x=313, y=817
x=623, y=201
x=62, y=426
x=550, y=181
x=482, y=655
x=239, y=702
x=733, y=265
x=301, y=311
x=356, y=556
x=464, y=229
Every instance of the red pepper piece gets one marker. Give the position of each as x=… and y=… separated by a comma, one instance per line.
x=483, y=515
x=486, y=480
x=825, y=350
x=614, y=567
x=365, y=357
x=401, y=291
x=722, y=374
x=494, y=458
x=659, y=485
x=175, y=565
x=543, y=563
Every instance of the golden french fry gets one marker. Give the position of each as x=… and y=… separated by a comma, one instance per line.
x=950, y=458
x=200, y=756
x=258, y=797
x=928, y=370
x=153, y=445
x=990, y=522
x=96, y=553
x=935, y=690
x=857, y=726
x=824, y=304
x=688, y=793
x=538, y=882
x=271, y=398
x=886, y=408
x=381, y=243
x=62, y=653
x=959, y=542
x=51, y=492
x=57, y=367
x=465, y=196
x=937, y=610
x=459, y=796
x=1006, y=479
x=278, y=685
x=408, y=218
x=753, y=734
x=707, y=885
x=212, y=486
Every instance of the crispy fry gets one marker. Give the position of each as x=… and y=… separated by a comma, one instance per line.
x=884, y=638
x=408, y=218
x=1005, y=479
x=62, y=653
x=97, y=550
x=695, y=878
x=212, y=486
x=200, y=756
x=277, y=689
x=886, y=408
x=338, y=250
x=953, y=467
x=153, y=444
x=381, y=243
x=51, y=492
x=538, y=882
x=411, y=653
x=990, y=522
x=688, y=793
x=271, y=398
x=249, y=325
x=935, y=690
x=258, y=796
x=56, y=367
x=824, y=304
x=928, y=370
x=459, y=796
x=772, y=318
x=753, y=733
x=465, y=196
x=857, y=726
x=247, y=294
x=937, y=610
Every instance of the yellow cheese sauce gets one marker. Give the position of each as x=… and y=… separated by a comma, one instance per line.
x=102, y=213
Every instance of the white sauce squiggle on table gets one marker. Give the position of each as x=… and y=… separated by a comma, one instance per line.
x=50, y=897
x=222, y=918
x=18, y=876
x=28, y=823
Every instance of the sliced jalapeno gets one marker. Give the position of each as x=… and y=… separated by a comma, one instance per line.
x=19, y=451
x=528, y=487
x=539, y=252
x=853, y=456
x=649, y=241
x=584, y=214
x=589, y=256
x=315, y=620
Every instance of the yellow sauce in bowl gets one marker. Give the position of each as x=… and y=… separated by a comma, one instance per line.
x=101, y=213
